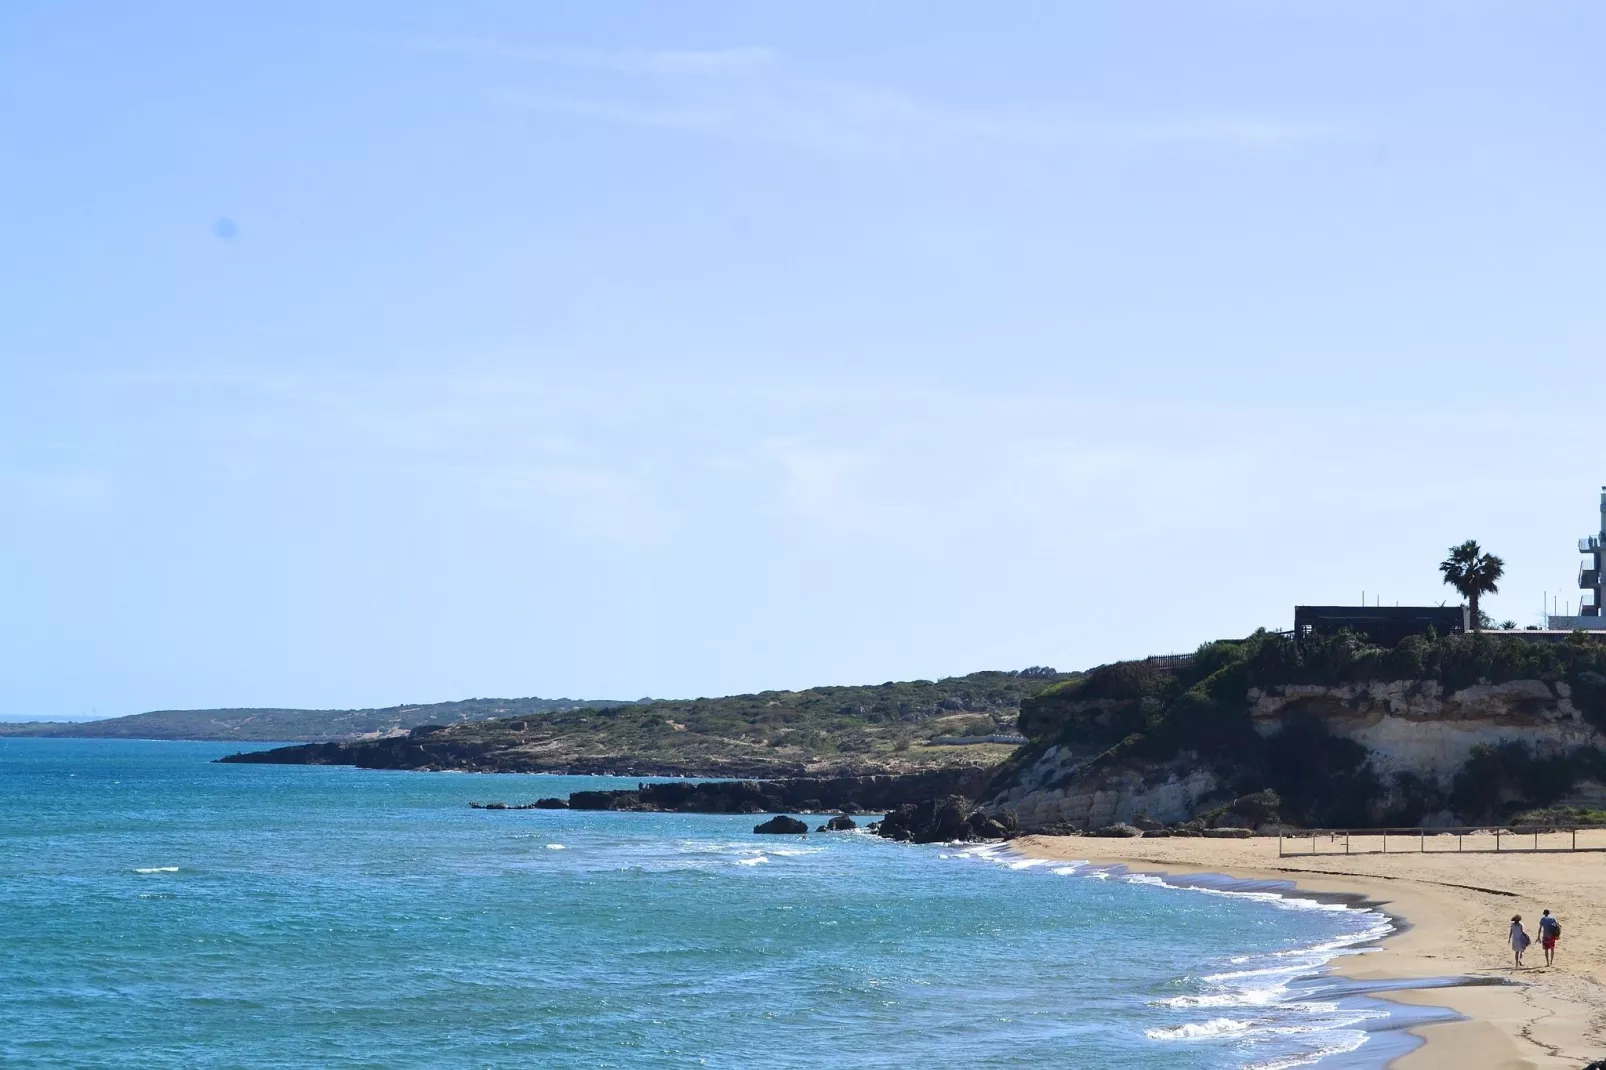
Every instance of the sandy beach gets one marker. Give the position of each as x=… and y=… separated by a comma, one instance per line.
x=1456, y=908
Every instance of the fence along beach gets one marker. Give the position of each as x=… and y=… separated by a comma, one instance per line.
x=1472, y=839
x=1453, y=910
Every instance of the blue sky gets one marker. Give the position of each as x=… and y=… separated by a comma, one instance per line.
x=365, y=353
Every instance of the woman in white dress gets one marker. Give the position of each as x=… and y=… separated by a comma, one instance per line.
x=1519, y=938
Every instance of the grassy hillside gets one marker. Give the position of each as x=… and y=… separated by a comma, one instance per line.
x=293, y=725
x=839, y=730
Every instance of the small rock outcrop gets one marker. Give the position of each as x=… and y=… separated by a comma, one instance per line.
x=782, y=825
x=839, y=823
x=1117, y=831
x=551, y=804
x=944, y=820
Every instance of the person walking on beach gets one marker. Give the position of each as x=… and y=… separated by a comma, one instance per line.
x=1519, y=938
x=1549, y=933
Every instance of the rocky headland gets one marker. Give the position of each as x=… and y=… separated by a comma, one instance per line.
x=1454, y=730
x=1257, y=734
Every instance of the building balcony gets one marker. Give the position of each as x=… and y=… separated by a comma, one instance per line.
x=1589, y=545
x=1588, y=578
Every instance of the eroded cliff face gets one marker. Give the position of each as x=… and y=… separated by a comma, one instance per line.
x=1051, y=792
x=1407, y=727
x=1415, y=726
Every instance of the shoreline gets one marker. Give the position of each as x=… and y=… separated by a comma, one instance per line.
x=1449, y=913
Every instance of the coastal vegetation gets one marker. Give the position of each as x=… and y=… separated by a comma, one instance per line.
x=1154, y=711
x=838, y=730
x=290, y=725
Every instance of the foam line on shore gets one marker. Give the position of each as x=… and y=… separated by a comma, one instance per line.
x=1364, y=1031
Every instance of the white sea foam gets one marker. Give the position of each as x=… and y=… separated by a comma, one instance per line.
x=556, y=847
x=1316, y=1029
x=1266, y=971
x=755, y=860
x=1341, y=1045
x=1214, y=1029
x=157, y=869
x=1249, y=997
x=1027, y=863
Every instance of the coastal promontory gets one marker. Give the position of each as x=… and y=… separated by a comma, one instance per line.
x=876, y=729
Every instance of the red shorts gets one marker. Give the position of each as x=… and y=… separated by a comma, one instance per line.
x=1547, y=942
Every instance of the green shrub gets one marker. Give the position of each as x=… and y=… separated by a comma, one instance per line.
x=1560, y=815
x=1497, y=780
x=1324, y=781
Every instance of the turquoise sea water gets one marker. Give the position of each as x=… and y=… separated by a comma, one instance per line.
x=162, y=911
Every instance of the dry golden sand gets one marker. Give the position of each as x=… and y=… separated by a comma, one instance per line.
x=1457, y=908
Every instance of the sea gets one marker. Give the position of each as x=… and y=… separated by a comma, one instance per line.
x=160, y=910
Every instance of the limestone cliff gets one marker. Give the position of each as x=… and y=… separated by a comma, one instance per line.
x=1441, y=730
x=1417, y=727
x=1049, y=794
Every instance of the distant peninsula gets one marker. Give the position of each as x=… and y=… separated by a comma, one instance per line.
x=291, y=726
x=872, y=729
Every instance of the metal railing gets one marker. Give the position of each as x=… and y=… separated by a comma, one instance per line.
x=1483, y=839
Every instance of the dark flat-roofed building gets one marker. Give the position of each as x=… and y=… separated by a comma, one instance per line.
x=1383, y=625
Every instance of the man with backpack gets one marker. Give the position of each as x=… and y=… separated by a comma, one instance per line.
x=1549, y=933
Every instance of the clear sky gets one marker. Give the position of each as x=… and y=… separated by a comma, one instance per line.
x=365, y=353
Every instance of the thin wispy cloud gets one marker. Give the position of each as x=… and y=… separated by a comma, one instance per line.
x=751, y=94
x=664, y=62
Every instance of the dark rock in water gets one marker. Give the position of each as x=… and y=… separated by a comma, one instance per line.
x=608, y=800
x=488, y=806
x=782, y=825
x=931, y=821
x=840, y=823
x=552, y=804
x=986, y=827
x=1117, y=830
x=952, y=817
x=879, y=793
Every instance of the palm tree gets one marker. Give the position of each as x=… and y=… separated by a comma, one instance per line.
x=1474, y=573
